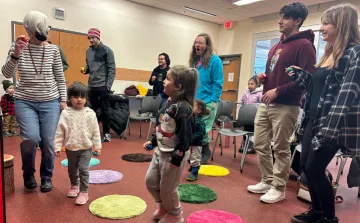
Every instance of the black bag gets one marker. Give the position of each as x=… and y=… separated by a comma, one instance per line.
x=119, y=113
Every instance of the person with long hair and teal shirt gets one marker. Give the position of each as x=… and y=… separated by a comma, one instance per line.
x=210, y=82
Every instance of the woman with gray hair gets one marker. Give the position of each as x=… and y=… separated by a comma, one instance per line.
x=40, y=94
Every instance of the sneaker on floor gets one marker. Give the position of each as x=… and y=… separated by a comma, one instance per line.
x=260, y=188
x=250, y=151
x=192, y=177
x=74, y=191
x=14, y=133
x=107, y=137
x=7, y=134
x=168, y=218
x=273, y=196
x=46, y=185
x=82, y=198
x=325, y=220
x=159, y=213
x=307, y=217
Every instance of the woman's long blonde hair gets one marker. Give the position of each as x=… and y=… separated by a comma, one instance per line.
x=207, y=54
x=345, y=19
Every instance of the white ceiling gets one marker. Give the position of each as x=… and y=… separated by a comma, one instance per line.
x=223, y=9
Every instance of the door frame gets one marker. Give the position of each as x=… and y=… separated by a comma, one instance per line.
x=237, y=56
x=13, y=23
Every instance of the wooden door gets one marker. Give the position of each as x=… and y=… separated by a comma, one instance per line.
x=231, y=67
x=74, y=47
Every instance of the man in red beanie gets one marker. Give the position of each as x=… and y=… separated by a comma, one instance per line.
x=100, y=65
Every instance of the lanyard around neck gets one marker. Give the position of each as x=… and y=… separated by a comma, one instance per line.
x=42, y=60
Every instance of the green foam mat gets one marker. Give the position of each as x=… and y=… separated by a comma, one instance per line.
x=196, y=194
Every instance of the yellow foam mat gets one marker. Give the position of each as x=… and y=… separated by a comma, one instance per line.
x=213, y=170
x=118, y=206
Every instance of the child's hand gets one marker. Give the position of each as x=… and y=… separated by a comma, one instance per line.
x=57, y=153
x=147, y=144
x=97, y=152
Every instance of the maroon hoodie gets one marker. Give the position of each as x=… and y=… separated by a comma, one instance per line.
x=297, y=50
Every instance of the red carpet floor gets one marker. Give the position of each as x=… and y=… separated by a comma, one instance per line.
x=55, y=207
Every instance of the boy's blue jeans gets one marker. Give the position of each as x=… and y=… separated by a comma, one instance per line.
x=38, y=122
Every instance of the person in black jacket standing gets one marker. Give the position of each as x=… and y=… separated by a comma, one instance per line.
x=159, y=75
x=100, y=65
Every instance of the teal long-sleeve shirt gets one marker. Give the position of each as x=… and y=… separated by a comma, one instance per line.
x=210, y=81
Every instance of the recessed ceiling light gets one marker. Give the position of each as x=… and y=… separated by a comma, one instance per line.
x=246, y=2
x=199, y=11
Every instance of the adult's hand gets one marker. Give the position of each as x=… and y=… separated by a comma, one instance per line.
x=269, y=96
x=20, y=44
x=63, y=105
x=153, y=78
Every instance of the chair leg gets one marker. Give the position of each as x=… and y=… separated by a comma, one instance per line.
x=246, y=146
x=147, y=138
x=234, y=147
x=337, y=160
x=220, y=144
x=127, y=127
x=292, y=158
x=342, y=171
x=140, y=129
x=359, y=193
x=212, y=154
x=341, y=168
x=212, y=133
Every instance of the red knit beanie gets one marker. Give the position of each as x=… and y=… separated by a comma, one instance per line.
x=94, y=32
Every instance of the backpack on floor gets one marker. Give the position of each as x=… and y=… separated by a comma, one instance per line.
x=303, y=192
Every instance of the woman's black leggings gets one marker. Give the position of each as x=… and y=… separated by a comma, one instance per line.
x=314, y=163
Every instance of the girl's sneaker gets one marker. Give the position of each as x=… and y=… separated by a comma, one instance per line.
x=82, y=198
x=73, y=192
x=7, y=134
x=172, y=218
x=159, y=213
x=14, y=133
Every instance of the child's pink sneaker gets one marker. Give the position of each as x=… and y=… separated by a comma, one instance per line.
x=159, y=213
x=73, y=192
x=168, y=218
x=82, y=198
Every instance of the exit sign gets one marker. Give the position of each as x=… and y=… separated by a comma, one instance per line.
x=228, y=25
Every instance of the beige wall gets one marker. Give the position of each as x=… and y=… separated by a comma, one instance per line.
x=239, y=40
x=136, y=33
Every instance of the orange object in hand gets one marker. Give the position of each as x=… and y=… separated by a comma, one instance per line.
x=24, y=38
x=63, y=149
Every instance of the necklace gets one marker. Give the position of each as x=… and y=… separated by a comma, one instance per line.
x=42, y=61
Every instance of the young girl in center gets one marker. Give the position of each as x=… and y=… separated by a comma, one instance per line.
x=78, y=131
x=252, y=95
x=174, y=129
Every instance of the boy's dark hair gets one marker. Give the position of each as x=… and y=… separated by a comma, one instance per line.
x=295, y=10
x=202, y=106
x=77, y=89
x=253, y=78
x=167, y=58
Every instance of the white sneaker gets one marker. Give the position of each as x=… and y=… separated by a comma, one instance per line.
x=260, y=188
x=273, y=196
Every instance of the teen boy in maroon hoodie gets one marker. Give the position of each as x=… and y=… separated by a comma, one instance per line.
x=277, y=114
